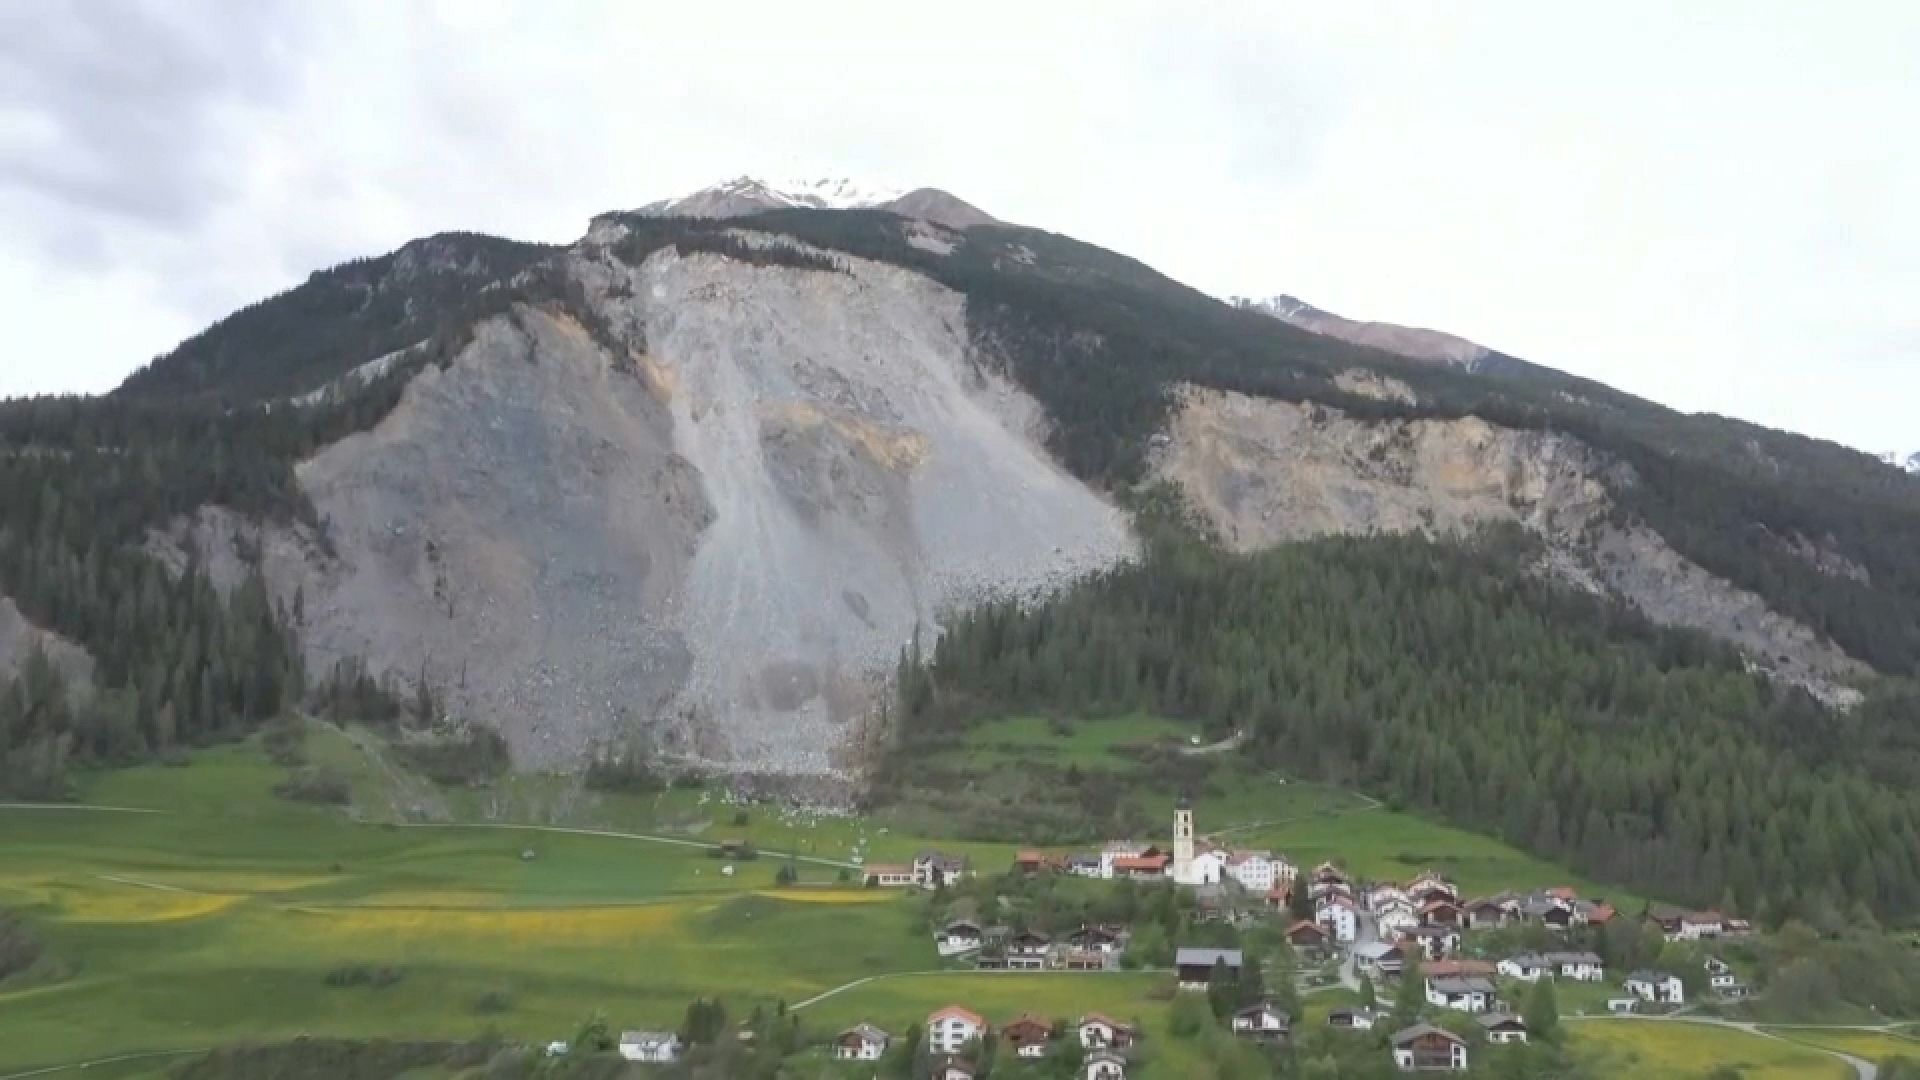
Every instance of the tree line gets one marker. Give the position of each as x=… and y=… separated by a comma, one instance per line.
x=1442, y=677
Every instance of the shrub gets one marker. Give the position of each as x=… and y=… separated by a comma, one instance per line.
x=361, y=975
x=315, y=784
x=466, y=761
x=284, y=741
x=18, y=947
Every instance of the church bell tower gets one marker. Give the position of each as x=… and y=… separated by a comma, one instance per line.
x=1183, y=841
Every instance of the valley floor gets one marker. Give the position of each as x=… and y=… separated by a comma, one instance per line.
x=228, y=914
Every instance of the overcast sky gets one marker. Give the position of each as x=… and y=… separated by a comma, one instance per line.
x=1713, y=205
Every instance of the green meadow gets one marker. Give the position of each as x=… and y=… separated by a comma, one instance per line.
x=232, y=914
x=1649, y=1050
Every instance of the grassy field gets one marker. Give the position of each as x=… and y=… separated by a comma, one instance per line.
x=1648, y=1050
x=232, y=913
x=1873, y=1046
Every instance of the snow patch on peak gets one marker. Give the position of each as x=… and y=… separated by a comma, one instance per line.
x=1909, y=462
x=748, y=194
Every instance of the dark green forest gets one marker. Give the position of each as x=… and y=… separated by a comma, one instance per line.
x=1442, y=678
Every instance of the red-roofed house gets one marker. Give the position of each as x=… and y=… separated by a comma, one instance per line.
x=953, y=1027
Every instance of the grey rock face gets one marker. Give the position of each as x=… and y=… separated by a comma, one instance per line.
x=1263, y=472
x=719, y=521
x=18, y=639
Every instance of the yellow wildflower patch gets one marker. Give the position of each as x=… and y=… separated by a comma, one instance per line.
x=513, y=926
x=830, y=896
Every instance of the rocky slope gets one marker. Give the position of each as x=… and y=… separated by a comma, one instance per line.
x=1262, y=472
x=718, y=517
x=18, y=639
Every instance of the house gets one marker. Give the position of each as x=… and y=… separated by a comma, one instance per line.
x=1253, y=870
x=1425, y=1047
x=1386, y=894
x=1489, y=912
x=1456, y=966
x=1593, y=912
x=1622, y=1005
x=958, y=936
x=1083, y=865
x=1352, y=1019
x=1503, y=1027
x=1028, y=950
x=1657, y=987
x=1430, y=886
x=935, y=870
x=1340, y=916
x=1716, y=966
x=1736, y=928
x=1383, y=957
x=1667, y=918
x=1100, y=939
x=1442, y=912
x=656, y=1047
x=1263, y=1022
x=1119, y=849
x=1149, y=864
x=1396, y=922
x=1528, y=966
x=861, y=1042
x=1696, y=925
x=1465, y=993
x=1435, y=941
x=891, y=875
x=1320, y=890
x=1326, y=872
x=1099, y=1032
x=1027, y=1035
x=1578, y=966
x=1029, y=861
x=952, y=1068
x=1550, y=910
x=1724, y=981
x=1279, y=897
x=558, y=1048
x=1082, y=960
x=1195, y=966
x=1306, y=935
x=1103, y=1065
x=953, y=1027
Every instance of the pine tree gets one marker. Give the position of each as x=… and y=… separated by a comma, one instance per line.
x=1542, y=1013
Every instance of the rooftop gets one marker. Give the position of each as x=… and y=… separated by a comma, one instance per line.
x=1190, y=957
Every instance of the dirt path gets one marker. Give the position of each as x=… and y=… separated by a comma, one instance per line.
x=75, y=806
x=51, y=1069
x=609, y=833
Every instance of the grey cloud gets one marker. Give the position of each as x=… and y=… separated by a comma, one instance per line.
x=117, y=105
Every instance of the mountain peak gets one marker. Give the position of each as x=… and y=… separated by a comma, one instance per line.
x=747, y=194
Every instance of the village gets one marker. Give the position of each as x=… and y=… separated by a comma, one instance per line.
x=1439, y=974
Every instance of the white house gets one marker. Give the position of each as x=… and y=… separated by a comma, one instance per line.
x=1657, y=987
x=1383, y=957
x=1430, y=886
x=1099, y=1032
x=1397, y=922
x=1503, y=1027
x=951, y=1028
x=657, y=1047
x=1338, y=915
x=1426, y=1047
x=1103, y=1065
x=890, y=875
x=933, y=869
x=1696, y=925
x=957, y=937
x=1726, y=980
x=1465, y=993
x=1528, y=966
x=862, y=1042
x=1578, y=966
x=1254, y=870
x=1262, y=1021
x=557, y=1048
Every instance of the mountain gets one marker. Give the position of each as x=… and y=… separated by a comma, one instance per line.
x=748, y=195
x=1909, y=462
x=702, y=477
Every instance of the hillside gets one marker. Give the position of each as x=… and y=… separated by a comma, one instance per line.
x=695, y=482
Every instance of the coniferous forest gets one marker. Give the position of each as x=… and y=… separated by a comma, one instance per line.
x=1444, y=678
